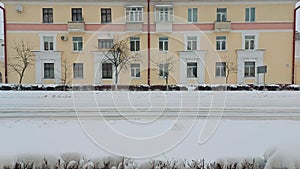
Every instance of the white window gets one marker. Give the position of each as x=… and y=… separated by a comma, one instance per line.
x=191, y=69
x=221, y=14
x=164, y=14
x=78, y=70
x=77, y=44
x=249, y=42
x=134, y=44
x=163, y=44
x=221, y=43
x=193, y=15
x=250, y=14
x=48, y=70
x=135, y=70
x=192, y=43
x=220, y=69
x=164, y=70
x=48, y=42
x=105, y=43
x=249, y=69
x=134, y=14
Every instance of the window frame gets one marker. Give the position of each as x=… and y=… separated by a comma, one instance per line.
x=250, y=14
x=192, y=43
x=78, y=70
x=48, y=71
x=134, y=14
x=221, y=43
x=192, y=15
x=163, y=70
x=135, y=70
x=48, y=45
x=164, y=14
x=163, y=44
x=249, y=41
x=106, y=70
x=76, y=14
x=191, y=69
x=77, y=44
x=220, y=69
x=135, y=44
x=249, y=70
x=47, y=12
x=105, y=43
x=106, y=15
x=221, y=15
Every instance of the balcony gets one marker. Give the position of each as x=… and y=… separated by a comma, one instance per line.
x=223, y=26
x=76, y=26
x=164, y=26
x=134, y=26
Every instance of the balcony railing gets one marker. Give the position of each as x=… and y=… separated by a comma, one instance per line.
x=76, y=26
x=223, y=26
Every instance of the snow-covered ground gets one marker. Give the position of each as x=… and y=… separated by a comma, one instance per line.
x=190, y=125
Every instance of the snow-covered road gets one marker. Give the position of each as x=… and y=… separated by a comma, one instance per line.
x=282, y=104
x=149, y=124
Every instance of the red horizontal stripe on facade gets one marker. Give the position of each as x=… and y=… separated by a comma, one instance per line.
x=175, y=27
x=259, y=26
x=36, y=27
x=105, y=27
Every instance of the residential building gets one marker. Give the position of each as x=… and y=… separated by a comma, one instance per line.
x=297, y=58
x=196, y=36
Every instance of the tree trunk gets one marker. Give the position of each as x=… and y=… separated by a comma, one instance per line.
x=116, y=78
x=167, y=83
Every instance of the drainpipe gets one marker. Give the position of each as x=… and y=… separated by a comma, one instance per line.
x=5, y=45
x=148, y=29
x=294, y=45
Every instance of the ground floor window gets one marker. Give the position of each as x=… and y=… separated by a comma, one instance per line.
x=191, y=69
x=220, y=69
x=163, y=70
x=48, y=70
x=0, y=77
x=135, y=70
x=106, y=71
x=78, y=70
x=249, y=69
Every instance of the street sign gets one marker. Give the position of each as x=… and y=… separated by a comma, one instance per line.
x=261, y=69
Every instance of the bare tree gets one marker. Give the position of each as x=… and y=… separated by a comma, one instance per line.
x=165, y=66
x=120, y=57
x=22, y=60
x=66, y=74
x=231, y=67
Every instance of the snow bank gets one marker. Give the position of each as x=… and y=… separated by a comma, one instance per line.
x=283, y=157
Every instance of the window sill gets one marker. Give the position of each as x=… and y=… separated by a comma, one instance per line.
x=250, y=78
x=191, y=50
x=221, y=50
x=219, y=77
x=134, y=22
x=106, y=78
x=135, y=77
x=191, y=78
x=78, y=78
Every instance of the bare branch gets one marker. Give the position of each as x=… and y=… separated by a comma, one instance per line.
x=23, y=58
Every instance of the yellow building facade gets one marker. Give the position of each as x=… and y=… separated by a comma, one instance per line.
x=191, y=42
